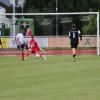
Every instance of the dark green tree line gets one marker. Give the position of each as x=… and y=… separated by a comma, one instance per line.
x=63, y=5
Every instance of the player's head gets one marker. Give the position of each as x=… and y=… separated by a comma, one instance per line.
x=73, y=26
x=21, y=31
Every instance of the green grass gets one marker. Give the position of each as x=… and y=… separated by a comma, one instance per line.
x=58, y=78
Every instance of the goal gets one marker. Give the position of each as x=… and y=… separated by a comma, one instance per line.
x=54, y=27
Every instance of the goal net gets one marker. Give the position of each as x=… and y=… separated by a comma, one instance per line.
x=52, y=28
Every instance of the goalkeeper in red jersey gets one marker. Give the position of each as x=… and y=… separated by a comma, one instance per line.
x=35, y=48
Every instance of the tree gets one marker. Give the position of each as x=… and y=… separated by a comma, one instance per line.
x=63, y=5
x=78, y=5
x=90, y=28
x=38, y=6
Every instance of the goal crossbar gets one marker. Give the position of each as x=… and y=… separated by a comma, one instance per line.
x=70, y=13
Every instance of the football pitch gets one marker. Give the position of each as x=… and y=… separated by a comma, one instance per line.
x=57, y=78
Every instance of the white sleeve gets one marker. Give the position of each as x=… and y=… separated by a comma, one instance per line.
x=69, y=34
x=79, y=32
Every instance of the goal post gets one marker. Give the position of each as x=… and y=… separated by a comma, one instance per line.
x=54, y=24
x=98, y=35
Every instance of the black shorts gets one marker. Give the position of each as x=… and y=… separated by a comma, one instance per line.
x=23, y=46
x=74, y=44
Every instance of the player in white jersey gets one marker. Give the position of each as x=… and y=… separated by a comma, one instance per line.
x=21, y=43
x=19, y=39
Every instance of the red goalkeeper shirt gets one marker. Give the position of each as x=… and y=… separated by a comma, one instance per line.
x=34, y=46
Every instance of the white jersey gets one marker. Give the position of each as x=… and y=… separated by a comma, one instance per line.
x=19, y=39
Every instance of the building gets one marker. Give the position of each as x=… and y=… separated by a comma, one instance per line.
x=8, y=5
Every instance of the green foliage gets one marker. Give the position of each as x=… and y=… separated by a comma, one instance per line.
x=35, y=6
x=73, y=5
x=90, y=28
x=7, y=32
x=63, y=5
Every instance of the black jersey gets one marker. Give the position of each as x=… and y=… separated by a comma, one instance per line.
x=74, y=34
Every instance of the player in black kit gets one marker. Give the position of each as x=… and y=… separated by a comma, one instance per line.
x=74, y=36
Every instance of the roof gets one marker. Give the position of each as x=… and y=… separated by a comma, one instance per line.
x=6, y=2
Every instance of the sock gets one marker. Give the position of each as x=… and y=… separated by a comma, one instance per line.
x=22, y=55
x=27, y=54
x=41, y=55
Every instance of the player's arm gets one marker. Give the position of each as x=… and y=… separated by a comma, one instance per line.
x=27, y=32
x=80, y=35
x=31, y=45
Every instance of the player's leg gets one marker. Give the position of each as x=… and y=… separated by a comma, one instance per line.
x=42, y=55
x=22, y=49
x=39, y=53
x=74, y=53
x=0, y=43
x=74, y=46
x=28, y=52
x=18, y=46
